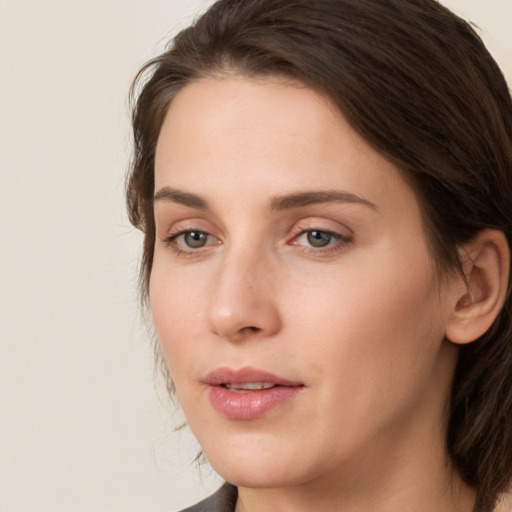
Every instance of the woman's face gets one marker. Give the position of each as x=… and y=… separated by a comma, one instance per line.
x=292, y=289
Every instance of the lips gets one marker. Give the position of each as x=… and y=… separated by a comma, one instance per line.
x=247, y=393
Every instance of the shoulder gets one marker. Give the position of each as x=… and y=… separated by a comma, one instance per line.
x=224, y=500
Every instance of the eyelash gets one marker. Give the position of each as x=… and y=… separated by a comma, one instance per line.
x=340, y=242
x=336, y=243
x=172, y=242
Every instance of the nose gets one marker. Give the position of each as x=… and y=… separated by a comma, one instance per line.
x=243, y=300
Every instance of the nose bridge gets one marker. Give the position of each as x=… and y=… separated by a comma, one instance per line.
x=242, y=302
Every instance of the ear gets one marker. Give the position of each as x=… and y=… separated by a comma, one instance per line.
x=479, y=295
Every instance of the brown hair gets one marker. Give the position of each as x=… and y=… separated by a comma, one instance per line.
x=418, y=84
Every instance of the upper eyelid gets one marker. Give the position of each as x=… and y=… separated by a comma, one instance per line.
x=336, y=235
x=328, y=231
x=171, y=227
x=176, y=234
x=167, y=214
x=320, y=224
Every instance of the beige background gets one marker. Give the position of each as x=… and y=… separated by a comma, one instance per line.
x=81, y=427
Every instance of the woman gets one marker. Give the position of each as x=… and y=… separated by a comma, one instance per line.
x=324, y=188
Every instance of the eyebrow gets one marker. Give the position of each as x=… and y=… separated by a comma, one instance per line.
x=180, y=197
x=278, y=203
x=301, y=199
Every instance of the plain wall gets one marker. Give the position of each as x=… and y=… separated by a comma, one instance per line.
x=81, y=425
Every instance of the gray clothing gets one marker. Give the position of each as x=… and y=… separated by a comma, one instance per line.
x=224, y=500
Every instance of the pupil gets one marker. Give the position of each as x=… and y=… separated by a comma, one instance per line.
x=319, y=238
x=195, y=239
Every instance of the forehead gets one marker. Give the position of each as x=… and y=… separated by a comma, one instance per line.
x=228, y=135
x=228, y=110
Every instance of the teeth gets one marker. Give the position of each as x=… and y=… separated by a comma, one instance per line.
x=249, y=386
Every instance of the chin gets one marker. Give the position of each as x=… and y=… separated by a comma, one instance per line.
x=261, y=477
x=257, y=463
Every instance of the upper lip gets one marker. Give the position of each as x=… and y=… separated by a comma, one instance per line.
x=246, y=375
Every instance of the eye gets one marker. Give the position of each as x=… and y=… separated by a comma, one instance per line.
x=317, y=238
x=194, y=239
x=320, y=241
x=190, y=241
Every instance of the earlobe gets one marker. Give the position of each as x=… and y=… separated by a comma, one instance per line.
x=479, y=295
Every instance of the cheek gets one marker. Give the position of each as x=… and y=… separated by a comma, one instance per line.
x=371, y=349
x=375, y=315
x=176, y=311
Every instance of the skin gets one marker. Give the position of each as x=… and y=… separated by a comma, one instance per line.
x=360, y=322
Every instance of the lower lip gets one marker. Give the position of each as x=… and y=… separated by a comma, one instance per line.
x=249, y=405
